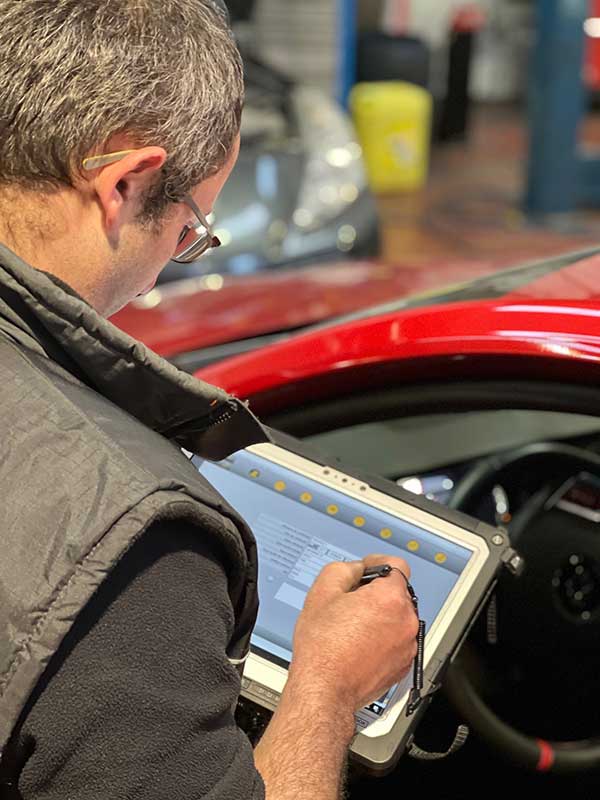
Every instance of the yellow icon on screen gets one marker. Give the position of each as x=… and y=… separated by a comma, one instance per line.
x=413, y=546
x=254, y=473
x=306, y=497
x=280, y=486
x=359, y=521
x=332, y=509
x=440, y=558
x=385, y=533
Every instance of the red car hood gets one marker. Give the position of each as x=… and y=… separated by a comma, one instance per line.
x=546, y=327
x=203, y=312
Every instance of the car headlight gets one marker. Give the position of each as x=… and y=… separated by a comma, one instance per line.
x=334, y=175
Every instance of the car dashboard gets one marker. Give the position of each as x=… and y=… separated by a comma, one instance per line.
x=431, y=454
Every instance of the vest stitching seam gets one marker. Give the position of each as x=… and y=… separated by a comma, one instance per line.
x=106, y=440
x=12, y=668
x=18, y=656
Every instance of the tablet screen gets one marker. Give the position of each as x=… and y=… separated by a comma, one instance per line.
x=300, y=525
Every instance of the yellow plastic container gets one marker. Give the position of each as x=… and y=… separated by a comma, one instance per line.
x=393, y=122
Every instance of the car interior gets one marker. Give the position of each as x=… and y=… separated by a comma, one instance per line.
x=526, y=456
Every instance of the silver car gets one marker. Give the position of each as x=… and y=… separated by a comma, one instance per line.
x=299, y=191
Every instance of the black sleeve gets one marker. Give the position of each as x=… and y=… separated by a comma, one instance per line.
x=139, y=701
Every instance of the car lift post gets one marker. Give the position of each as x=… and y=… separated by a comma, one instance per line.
x=347, y=40
x=559, y=177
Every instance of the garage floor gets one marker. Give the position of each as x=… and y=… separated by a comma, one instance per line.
x=470, y=209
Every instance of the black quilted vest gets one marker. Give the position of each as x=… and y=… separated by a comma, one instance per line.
x=91, y=430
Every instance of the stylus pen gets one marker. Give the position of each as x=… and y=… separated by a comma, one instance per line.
x=381, y=571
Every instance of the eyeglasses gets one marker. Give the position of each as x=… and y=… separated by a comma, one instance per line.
x=194, y=240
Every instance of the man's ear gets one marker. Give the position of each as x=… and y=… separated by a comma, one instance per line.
x=121, y=187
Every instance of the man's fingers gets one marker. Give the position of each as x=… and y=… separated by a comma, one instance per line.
x=340, y=577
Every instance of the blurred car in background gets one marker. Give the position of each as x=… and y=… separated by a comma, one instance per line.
x=299, y=189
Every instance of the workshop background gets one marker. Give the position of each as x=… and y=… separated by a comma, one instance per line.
x=496, y=191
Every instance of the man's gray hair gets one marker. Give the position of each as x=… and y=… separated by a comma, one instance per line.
x=74, y=73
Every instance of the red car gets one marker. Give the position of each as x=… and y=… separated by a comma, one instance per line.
x=200, y=320
x=485, y=397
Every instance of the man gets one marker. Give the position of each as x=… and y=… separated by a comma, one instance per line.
x=127, y=585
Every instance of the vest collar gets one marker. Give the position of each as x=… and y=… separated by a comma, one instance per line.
x=42, y=314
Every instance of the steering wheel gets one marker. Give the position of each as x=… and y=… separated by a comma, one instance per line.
x=549, y=618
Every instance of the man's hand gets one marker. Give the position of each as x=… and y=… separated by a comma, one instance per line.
x=352, y=643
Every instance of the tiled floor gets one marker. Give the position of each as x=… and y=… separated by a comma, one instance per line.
x=471, y=206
